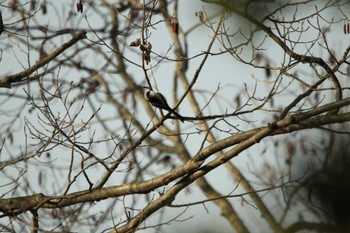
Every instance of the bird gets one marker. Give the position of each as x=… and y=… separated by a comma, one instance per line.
x=158, y=100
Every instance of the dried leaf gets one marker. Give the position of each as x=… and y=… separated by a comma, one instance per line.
x=238, y=101
x=136, y=42
x=267, y=70
x=200, y=15
x=258, y=57
x=291, y=149
x=40, y=178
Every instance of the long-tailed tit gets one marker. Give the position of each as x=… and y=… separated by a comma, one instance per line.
x=159, y=101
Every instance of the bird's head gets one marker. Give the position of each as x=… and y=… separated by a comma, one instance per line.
x=150, y=94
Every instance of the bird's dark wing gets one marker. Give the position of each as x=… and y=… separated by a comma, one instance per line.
x=161, y=102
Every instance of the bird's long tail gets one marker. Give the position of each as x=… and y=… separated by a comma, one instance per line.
x=178, y=116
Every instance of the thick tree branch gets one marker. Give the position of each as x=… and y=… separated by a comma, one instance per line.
x=13, y=206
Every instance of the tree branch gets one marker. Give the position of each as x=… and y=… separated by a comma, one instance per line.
x=24, y=75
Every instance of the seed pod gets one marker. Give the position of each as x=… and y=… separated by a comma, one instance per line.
x=43, y=8
x=32, y=5
x=147, y=57
x=80, y=6
x=175, y=25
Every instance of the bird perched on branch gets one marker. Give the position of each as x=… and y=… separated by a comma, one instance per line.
x=159, y=101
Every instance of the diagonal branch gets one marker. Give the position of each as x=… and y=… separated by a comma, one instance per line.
x=24, y=75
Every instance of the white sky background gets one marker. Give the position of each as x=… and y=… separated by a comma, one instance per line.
x=221, y=71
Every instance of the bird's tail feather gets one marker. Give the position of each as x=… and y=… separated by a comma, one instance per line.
x=178, y=116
